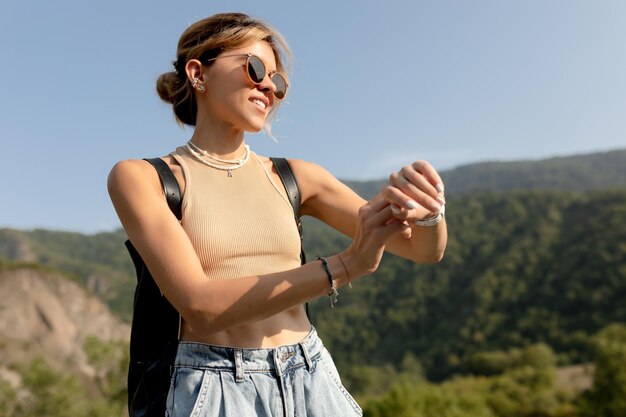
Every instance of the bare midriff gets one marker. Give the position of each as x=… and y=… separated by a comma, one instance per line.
x=285, y=328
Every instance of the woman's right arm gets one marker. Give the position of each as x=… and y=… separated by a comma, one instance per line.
x=207, y=305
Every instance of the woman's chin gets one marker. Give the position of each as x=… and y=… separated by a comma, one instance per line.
x=255, y=127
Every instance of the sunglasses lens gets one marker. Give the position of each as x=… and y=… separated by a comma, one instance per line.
x=256, y=72
x=281, y=86
x=256, y=69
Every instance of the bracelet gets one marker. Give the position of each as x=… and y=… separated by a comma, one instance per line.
x=333, y=294
x=433, y=220
x=345, y=269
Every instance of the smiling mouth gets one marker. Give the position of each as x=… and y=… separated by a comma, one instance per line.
x=259, y=103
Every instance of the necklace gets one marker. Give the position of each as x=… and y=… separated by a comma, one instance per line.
x=215, y=158
x=225, y=165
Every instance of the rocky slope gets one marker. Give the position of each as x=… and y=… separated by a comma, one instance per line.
x=45, y=314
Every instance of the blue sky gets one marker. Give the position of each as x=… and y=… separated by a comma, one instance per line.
x=375, y=85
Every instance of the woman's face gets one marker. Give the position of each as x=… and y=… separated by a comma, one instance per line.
x=231, y=97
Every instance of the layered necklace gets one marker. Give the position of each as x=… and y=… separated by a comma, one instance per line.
x=228, y=165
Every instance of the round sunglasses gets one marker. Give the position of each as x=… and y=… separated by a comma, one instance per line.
x=256, y=73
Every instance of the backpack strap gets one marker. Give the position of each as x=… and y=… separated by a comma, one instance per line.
x=293, y=193
x=291, y=187
x=155, y=327
x=170, y=185
x=295, y=198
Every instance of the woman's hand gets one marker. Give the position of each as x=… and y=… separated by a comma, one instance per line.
x=415, y=192
x=375, y=225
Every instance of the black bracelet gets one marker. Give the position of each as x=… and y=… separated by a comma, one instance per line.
x=333, y=294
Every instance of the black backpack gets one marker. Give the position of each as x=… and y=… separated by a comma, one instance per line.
x=156, y=324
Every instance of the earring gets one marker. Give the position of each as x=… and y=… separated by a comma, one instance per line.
x=195, y=83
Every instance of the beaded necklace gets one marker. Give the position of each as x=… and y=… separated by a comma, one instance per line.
x=223, y=165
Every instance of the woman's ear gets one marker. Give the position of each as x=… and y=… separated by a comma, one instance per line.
x=193, y=68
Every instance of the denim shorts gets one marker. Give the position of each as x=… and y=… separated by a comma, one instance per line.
x=292, y=380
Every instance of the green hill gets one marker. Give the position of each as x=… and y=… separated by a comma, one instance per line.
x=571, y=173
x=602, y=170
x=520, y=268
x=99, y=262
x=536, y=254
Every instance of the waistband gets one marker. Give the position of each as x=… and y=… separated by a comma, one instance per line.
x=275, y=360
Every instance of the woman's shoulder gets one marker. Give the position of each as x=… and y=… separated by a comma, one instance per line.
x=136, y=192
x=129, y=168
x=300, y=167
x=314, y=174
x=130, y=174
x=307, y=173
x=311, y=177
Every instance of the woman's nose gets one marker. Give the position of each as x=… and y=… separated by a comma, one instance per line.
x=267, y=85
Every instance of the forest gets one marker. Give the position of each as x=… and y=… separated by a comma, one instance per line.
x=532, y=286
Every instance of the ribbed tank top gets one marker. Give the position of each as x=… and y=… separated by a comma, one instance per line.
x=241, y=225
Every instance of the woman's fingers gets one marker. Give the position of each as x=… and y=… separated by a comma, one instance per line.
x=430, y=173
x=378, y=203
x=375, y=225
x=375, y=213
x=414, y=191
x=408, y=189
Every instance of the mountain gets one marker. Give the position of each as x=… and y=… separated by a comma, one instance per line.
x=44, y=314
x=596, y=171
x=587, y=172
x=98, y=262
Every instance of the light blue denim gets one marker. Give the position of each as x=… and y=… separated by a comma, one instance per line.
x=287, y=381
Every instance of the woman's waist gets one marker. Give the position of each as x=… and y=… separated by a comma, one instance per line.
x=288, y=327
x=206, y=356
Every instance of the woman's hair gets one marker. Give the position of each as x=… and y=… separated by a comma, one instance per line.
x=207, y=39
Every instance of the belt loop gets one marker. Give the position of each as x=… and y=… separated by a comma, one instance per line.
x=307, y=358
x=238, y=365
x=277, y=365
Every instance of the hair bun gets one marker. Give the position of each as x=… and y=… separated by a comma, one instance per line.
x=167, y=85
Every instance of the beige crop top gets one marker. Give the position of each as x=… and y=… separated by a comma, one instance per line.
x=241, y=225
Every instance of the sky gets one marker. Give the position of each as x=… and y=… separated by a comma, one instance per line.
x=374, y=85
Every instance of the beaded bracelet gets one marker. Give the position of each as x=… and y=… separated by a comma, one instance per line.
x=333, y=294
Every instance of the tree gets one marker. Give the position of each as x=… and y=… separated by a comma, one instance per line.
x=608, y=395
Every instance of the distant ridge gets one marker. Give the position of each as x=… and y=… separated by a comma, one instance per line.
x=584, y=172
x=602, y=170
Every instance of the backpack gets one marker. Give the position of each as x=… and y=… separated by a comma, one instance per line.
x=156, y=324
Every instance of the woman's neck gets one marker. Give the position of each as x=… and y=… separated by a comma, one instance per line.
x=222, y=142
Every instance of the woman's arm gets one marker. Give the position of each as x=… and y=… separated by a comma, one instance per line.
x=416, y=192
x=331, y=201
x=212, y=305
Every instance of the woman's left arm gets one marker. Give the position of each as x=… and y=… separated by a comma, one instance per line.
x=415, y=193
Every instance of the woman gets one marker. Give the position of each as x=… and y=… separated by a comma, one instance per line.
x=231, y=267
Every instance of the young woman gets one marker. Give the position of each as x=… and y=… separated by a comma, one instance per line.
x=231, y=267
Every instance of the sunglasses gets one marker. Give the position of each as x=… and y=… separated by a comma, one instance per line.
x=256, y=73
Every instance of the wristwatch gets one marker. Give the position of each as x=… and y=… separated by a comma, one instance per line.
x=433, y=220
